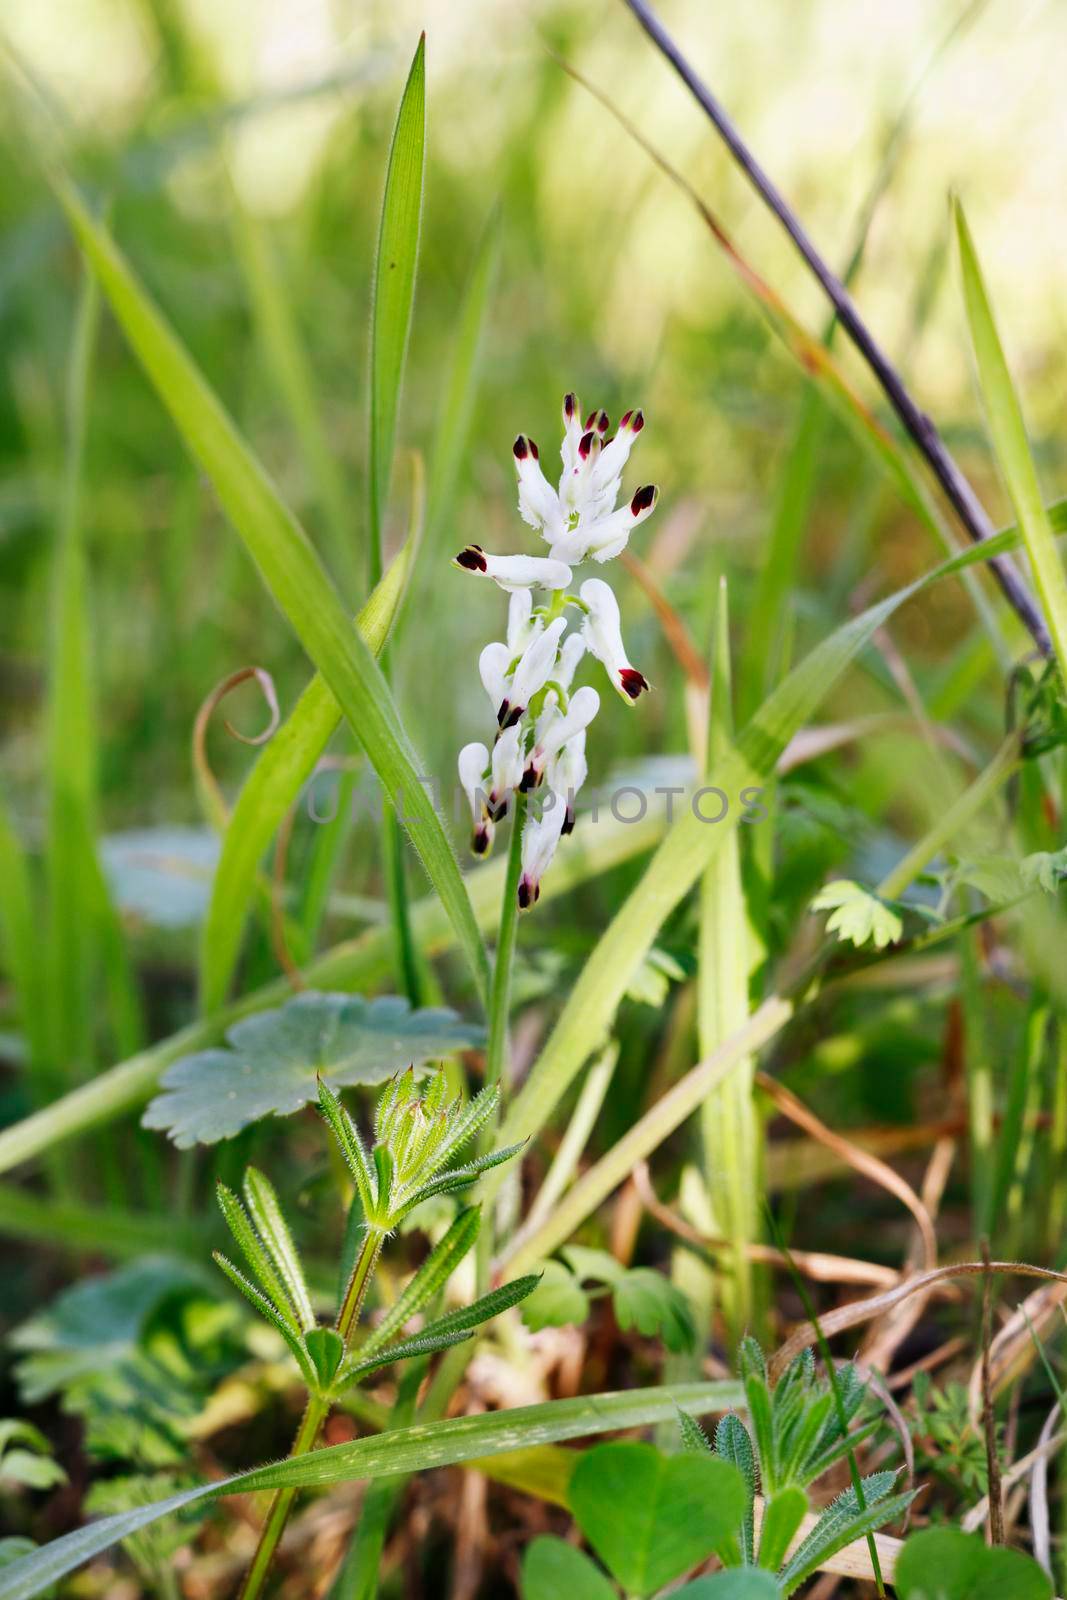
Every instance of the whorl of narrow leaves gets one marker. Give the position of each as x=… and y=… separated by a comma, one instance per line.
x=416, y=1137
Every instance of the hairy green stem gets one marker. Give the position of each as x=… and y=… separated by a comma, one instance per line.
x=314, y=1416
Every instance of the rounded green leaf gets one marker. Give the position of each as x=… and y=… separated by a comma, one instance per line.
x=558, y=1300
x=551, y=1568
x=743, y=1583
x=945, y=1564
x=651, y=1517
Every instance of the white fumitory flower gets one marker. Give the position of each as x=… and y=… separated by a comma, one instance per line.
x=528, y=675
x=536, y=666
x=515, y=572
x=540, y=836
x=508, y=765
x=566, y=772
x=473, y=763
x=555, y=728
x=602, y=633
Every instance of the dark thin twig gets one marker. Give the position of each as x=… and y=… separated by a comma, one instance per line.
x=989, y=1425
x=964, y=501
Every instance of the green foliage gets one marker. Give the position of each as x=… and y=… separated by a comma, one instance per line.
x=651, y=1517
x=946, y=1442
x=394, y=289
x=419, y=1448
x=274, y=1060
x=1011, y=444
x=859, y=917
x=551, y=1568
x=285, y=558
x=643, y=1299
x=651, y=983
x=796, y=1435
x=737, y=1583
x=416, y=1142
x=154, y=1547
x=135, y=1354
x=26, y=1457
x=273, y=786
x=945, y=1564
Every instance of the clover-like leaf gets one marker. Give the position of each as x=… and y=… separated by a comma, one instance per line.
x=945, y=1564
x=273, y=1060
x=651, y=1517
x=559, y=1299
x=551, y=1568
x=858, y=915
x=646, y=1300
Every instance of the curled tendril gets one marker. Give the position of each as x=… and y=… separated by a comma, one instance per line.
x=211, y=793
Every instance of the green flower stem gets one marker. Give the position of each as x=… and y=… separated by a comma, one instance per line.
x=500, y=990
x=314, y=1416
x=496, y=1051
x=282, y=1501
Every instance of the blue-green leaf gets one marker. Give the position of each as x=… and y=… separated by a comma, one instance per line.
x=274, y=1059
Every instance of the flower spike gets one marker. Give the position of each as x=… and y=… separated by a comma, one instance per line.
x=540, y=737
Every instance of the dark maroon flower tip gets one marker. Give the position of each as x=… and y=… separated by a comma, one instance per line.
x=570, y=405
x=587, y=441
x=473, y=559
x=638, y=421
x=534, y=450
x=568, y=821
x=643, y=499
x=500, y=810
x=525, y=902
x=480, y=842
x=530, y=779
x=625, y=421
x=633, y=683
x=521, y=448
x=590, y=420
x=603, y=422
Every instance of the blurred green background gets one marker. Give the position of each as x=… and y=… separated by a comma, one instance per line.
x=220, y=135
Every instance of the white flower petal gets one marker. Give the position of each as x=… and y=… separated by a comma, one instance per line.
x=493, y=664
x=540, y=836
x=534, y=670
x=572, y=652
x=521, y=626
x=572, y=432
x=554, y=729
x=603, y=635
x=538, y=501
x=576, y=483
x=509, y=762
x=566, y=772
x=472, y=764
x=514, y=572
x=616, y=453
